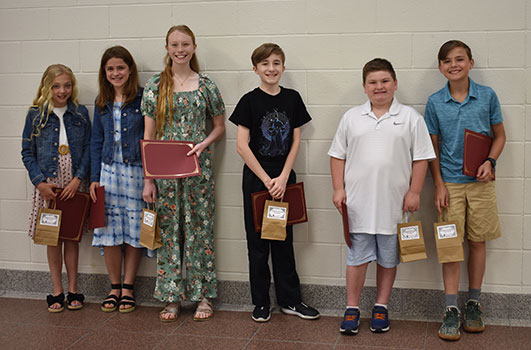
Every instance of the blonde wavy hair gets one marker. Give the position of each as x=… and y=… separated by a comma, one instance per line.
x=166, y=85
x=43, y=101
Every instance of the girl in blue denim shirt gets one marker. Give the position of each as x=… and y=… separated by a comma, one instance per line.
x=116, y=164
x=55, y=151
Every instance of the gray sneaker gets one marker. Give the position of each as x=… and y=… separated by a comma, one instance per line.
x=450, y=325
x=472, y=319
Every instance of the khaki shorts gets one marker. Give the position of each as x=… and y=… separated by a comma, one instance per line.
x=473, y=205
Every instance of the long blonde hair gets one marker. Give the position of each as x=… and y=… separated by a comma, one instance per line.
x=166, y=85
x=43, y=101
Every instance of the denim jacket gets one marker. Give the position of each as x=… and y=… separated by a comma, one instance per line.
x=40, y=153
x=102, y=142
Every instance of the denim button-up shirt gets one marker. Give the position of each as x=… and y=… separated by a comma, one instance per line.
x=102, y=142
x=40, y=153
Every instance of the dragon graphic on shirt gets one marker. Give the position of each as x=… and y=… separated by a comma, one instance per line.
x=275, y=131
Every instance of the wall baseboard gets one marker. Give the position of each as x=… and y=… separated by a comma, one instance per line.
x=407, y=304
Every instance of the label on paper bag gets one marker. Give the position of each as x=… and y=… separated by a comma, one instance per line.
x=149, y=219
x=446, y=231
x=410, y=232
x=49, y=219
x=277, y=213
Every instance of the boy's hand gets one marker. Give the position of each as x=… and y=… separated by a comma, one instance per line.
x=339, y=197
x=485, y=172
x=411, y=202
x=70, y=190
x=441, y=198
x=92, y=191
x=277, y=187
x=149, y=194
x=46, y=190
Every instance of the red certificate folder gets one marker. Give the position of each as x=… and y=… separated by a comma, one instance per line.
x=476, y=151
x=165, y=159
x=74, y=213
x=294, y=195
x=346, y=230
x=97, y=209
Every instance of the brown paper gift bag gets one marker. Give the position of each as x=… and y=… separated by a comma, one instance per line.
x=149, y=229
x=275, y=220
x=411, y=239
x=449, y=241
x=48, y=227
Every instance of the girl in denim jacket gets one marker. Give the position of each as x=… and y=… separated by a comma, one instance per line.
x=116, y=164
x=55, y=151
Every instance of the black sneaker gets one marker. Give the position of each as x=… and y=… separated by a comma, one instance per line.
x=450, y=325
x=302, y=310
x=261, y=313
x=472, y=321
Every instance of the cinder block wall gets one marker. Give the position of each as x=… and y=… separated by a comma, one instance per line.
x=326, y=43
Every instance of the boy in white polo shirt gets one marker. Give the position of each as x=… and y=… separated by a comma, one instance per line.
x=378, y=159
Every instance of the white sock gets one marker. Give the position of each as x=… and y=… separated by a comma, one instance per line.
x=382, y=305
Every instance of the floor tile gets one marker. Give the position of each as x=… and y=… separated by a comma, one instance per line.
x=293, y=328
x=223, y=324
x=403, y=334
x=105, y=339
x=21, y=310
x=143, y=319
x=521, y=337
x=494, y=337
x=90, y=317
x=283, y=345
x=188, y=342
x=42, y=337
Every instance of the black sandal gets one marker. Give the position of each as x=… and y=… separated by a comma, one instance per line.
x=57, y=299
x=127, y=300
x=74, y=297
x=111, y=299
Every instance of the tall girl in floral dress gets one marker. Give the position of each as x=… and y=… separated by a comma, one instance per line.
x=55, y=151
x=185, y=207
x=116, y=164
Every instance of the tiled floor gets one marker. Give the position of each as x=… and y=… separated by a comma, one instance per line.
x=26, y=324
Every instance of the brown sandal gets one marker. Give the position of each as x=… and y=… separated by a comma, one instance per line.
x=205, y=306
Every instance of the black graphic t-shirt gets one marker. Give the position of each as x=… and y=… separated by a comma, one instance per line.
x=270, y=120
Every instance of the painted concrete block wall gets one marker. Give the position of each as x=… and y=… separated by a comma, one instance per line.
x=326, y=43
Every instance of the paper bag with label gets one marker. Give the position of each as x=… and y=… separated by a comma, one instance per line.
x=449, y=241
x=149, y=229
x=275, y=220
x=411, y=240
x=48, y=227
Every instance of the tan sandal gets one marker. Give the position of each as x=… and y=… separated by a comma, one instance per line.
x=169, y=310
x=206, y=307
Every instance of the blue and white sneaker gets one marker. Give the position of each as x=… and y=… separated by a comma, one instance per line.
x=351, y=322
x=380, y=320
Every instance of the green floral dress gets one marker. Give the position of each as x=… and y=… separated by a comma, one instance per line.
x=185, y=207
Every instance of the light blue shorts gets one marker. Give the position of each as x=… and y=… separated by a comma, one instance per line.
x=368, y=247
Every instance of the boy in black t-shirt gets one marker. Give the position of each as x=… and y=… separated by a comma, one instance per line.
x=269, y=120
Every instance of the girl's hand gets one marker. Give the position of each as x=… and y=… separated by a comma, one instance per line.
x=338, y=198
x=441, y=198
x=149, y=194
x=70, y=190
x=198, y=148
x=484, y=172
x=277, y=187
x=46, y=190
x=93, y=187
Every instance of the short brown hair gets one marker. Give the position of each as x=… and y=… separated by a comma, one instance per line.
x=449, y=46
x=264, y=51
x=376, y=65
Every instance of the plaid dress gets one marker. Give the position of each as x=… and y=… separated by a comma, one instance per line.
x=123, y=197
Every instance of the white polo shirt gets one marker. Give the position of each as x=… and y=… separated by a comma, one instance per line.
x=378, y=157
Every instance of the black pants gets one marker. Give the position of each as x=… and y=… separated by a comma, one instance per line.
x=287, y=285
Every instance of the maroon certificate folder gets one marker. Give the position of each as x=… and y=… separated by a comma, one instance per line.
x=165, y=159
x=74, y=213
x=294, y=195
x=97, y=209
x=476, y=151
x=346, y=230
